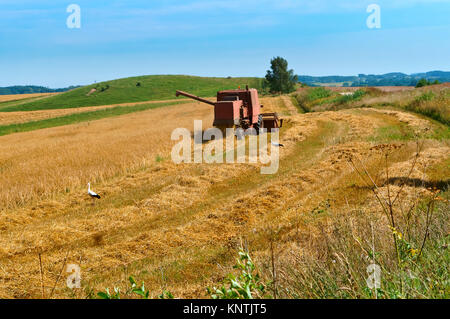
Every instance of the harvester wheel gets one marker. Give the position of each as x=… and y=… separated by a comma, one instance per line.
x=258, y=126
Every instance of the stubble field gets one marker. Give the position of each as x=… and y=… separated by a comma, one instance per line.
x=178, y=227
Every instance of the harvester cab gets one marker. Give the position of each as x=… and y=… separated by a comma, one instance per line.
x=239, y=109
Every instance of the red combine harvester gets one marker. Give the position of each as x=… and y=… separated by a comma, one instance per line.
x=239, y=109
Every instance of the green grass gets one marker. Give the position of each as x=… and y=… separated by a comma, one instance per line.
x=394, y=130
x=356, y=96
x=80, y=117
x=319, y=96
x=318, y=93
x=152, y=88
x=312, y=97
x=425, y=97
x=393, y=133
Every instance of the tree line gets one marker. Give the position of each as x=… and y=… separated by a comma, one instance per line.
x=31, y=89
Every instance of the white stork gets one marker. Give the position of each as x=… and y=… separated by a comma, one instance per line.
x=277, y=144
x=91, y=193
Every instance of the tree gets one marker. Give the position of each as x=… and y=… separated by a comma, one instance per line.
x=422, y=82
x=280, y=79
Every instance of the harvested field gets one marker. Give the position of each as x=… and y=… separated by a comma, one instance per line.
x=186, y=220
x=356, y=88
x=381, y=88
x=17, y=97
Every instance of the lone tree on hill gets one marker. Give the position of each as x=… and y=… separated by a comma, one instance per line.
x=422, y=82
x=280, y=79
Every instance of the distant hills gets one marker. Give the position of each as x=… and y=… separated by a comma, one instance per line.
x=389, y=79
x=30, y=89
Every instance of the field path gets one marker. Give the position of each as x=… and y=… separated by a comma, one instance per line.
x=287, y=100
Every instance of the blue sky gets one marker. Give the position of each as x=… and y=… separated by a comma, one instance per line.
x=217, y=38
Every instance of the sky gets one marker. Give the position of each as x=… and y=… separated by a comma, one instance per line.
x=217, y=38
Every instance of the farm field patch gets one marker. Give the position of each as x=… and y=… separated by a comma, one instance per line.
x=185, y=221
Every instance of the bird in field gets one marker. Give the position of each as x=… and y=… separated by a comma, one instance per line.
x=277, y=144
x=91, y=193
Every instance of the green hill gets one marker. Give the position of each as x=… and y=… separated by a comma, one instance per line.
x=135, y=89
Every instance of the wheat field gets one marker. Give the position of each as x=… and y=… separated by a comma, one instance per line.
x=174, y=226
x=17, y=97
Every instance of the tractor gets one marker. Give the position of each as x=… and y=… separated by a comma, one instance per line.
x=239, y=109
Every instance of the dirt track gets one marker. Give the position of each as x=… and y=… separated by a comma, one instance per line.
x=159, y=220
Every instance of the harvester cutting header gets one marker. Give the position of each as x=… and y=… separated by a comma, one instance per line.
x=239, y=109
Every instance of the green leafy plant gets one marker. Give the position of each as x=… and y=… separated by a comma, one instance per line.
x=107, y=295
x=427, y=96
x=166, y=295
x=135, y=289
x=246, y=285
x=140, y=291
x=356, y=96
x=318, y=93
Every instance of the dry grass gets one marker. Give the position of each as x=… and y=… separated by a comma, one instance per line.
x=347, y=232
x=355, y=88
x=432, y=101
x=41, y=163
x=17, y=97
x=174, y=226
